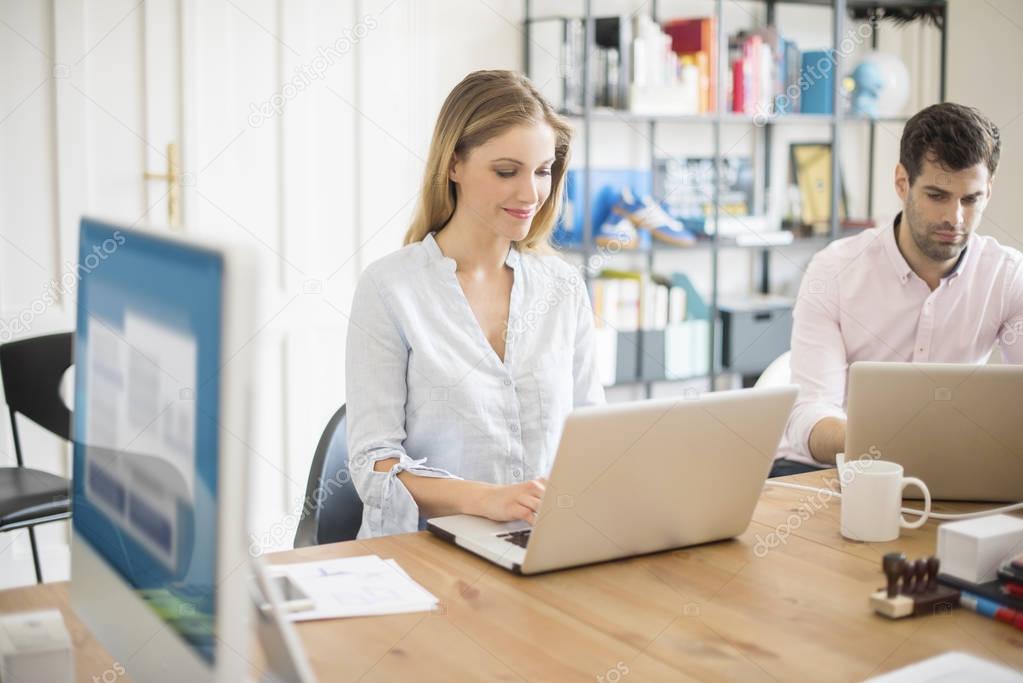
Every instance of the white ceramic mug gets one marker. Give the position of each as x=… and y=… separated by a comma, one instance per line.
x=872, y=500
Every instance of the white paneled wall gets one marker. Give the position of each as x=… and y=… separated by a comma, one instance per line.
x=304, y=125
x=985, y=67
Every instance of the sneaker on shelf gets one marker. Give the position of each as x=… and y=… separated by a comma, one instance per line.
x=619, y=229
x=618, y=232
x=652, y=217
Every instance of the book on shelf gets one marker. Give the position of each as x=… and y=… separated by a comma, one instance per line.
x=762, y=72
x=697, y=39
x=761, y=75
x=662, y=81
x=555, y=60
x=818, y=72
x=629, y=305
x=611, y=61
x=634, y=300
x=670, y=68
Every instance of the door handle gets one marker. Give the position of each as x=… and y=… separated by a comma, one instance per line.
x=173, y=178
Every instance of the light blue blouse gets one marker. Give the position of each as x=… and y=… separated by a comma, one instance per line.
x=425, y=386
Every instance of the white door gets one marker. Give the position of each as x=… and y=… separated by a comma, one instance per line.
x=91, y=99
x=92, y=93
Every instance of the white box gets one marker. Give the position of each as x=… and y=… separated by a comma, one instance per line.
x=35, y=648
x=972, y=549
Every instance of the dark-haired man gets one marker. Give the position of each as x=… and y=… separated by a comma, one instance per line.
x=925, y=288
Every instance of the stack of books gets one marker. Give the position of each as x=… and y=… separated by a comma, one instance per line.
x=631, y=300
x=670, y=68
x=764, y=69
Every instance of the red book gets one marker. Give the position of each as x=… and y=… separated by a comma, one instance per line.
x=751, y=52
x=738, y=86
x=689, y=35
x=692, y=36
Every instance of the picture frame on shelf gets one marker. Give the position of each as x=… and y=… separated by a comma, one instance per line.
x=810, y=163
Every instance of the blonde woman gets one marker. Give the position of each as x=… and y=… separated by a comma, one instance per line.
x=468, y=347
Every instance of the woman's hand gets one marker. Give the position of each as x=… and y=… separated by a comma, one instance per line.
x=440, y=496
x=510, y=502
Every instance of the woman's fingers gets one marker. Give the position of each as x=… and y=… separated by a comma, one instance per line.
x=524, y=513
x=531, y=502
x=520, y=501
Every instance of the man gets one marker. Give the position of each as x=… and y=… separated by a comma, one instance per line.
x=925, y=288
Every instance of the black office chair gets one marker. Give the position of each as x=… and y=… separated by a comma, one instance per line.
x=31, y=371
x=332, y=509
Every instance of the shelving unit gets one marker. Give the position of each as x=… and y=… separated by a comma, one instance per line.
x=715, y=244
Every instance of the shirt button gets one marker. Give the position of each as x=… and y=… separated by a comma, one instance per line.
x=515, y=429
x=507, y=382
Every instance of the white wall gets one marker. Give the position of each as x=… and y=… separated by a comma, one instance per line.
x=986, y=71
x=320, y=187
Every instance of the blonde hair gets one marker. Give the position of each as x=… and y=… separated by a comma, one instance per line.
x=484, y=105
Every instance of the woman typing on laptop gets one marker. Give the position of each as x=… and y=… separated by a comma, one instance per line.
x=468, y=347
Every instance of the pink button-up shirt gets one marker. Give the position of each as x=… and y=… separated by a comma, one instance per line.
x=860, y=300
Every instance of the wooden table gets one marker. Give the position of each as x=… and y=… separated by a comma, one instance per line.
x=736, y=610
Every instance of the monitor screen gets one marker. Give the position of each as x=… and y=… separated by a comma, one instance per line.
x=146, y=418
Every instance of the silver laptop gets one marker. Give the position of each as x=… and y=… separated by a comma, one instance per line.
x=957, y=427
x=640, y=477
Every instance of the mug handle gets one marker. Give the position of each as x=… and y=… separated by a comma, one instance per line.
x=907, y=481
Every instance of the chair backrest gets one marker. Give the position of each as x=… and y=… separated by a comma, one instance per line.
x=332, y=509
x=31, y=370
x=777, y=374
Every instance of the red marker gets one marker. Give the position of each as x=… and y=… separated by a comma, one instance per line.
x=992, y=610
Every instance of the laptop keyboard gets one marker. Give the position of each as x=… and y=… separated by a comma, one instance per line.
x=519, y=538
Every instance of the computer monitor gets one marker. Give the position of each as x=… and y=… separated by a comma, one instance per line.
x=159, y=562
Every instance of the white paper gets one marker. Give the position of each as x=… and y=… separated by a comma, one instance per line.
x=356, y=586
x=950, y=667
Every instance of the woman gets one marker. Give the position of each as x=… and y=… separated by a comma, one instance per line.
x=468, y=347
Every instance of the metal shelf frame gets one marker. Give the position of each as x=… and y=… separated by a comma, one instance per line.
x=720, y=118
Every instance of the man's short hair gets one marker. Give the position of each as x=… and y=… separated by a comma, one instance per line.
x=952, y=135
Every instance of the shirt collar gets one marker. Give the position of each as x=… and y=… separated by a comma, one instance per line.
x=891, y=247
x=513, y=259
x=437, y=256
x=902, y=268
x=961, y=261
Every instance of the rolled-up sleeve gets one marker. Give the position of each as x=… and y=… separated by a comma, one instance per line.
x=376, y=365
x=587, y=389
x=818, y=362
